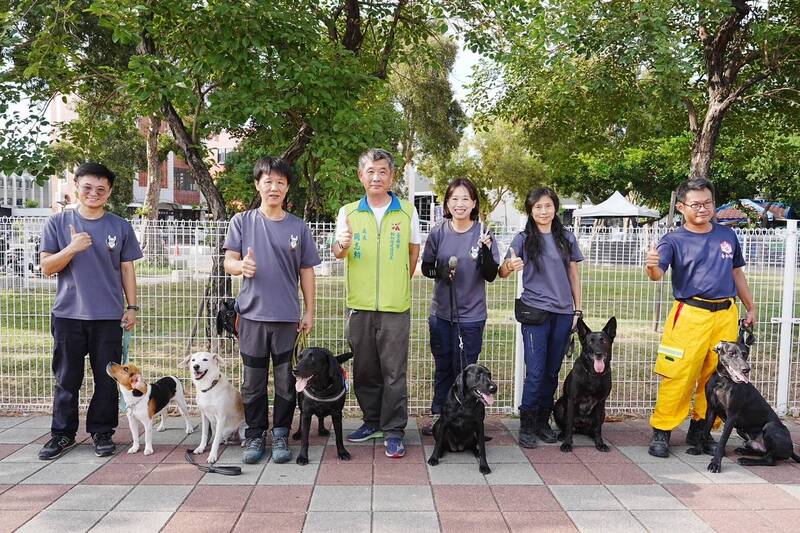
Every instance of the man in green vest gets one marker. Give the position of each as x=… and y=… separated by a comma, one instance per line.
x=379, y=237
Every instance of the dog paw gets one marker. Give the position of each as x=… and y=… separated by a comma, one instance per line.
x=133, y=449
x=148, y=451
x=485, y=469
x=161, y=428
x=199, y=450
x=212, y=458
x=566, y=447
x=189, y=430
x=302, y=460
x=714, y=467
x=324, y=432
x=433, y=461
x=344, y=455
x=602, y=447
x=694, y=451
x=560, y=436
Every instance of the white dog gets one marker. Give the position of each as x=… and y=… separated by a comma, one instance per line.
x=145, y=401
x=219, y=402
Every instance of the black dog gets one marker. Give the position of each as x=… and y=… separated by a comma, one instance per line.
x=582, y=408
x=322, y=391
x=735, y=400
x=460, y=426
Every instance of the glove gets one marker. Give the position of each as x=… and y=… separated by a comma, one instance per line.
x=486, y=263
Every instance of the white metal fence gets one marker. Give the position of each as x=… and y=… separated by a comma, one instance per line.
x=174, y=276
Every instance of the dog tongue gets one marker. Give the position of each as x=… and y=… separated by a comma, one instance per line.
x=301, y=384
x=488, y=398
x=599, y=366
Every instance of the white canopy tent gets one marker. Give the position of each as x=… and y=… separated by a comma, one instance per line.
x=616, y=206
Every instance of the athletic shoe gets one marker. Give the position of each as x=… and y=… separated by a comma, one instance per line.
x=365, y=433
x=394, y=447
x=56, y=447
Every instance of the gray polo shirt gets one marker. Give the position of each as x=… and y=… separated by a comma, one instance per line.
x=90, y=286
x=281, y=248
x=444, y=243
x=548, y=287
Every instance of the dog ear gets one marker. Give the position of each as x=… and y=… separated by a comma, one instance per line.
x=583, y=329
x=186, y=359
x=460, y=382
x=220, y=361
x=138, y=386
x=610, y=328
x=343, y=358
x=333, y=367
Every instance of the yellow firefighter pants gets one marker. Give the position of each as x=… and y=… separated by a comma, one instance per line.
x=686, y=360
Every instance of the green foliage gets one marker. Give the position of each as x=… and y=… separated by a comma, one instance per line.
x=603, y=89
x=496, y=160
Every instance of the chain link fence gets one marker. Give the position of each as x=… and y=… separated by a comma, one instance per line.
x=178, y=295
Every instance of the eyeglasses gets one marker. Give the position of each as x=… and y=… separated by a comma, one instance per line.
x=695, y=206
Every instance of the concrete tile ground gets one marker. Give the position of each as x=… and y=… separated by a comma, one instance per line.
x=541, y=489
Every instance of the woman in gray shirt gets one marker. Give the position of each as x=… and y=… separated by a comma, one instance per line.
x=548, y=256
x=460, y=252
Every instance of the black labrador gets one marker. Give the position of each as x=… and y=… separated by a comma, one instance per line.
x=582, y=407
x=322, y=390
x=460, y=426
x=735, y=400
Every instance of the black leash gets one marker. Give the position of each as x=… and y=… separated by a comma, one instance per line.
x=746, y=335
x=213, y=469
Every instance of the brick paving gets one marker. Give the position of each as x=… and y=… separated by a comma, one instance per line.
x=528, y=490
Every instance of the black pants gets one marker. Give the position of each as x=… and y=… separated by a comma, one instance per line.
x=447, y=359
x=258, y=341
x=73, y=339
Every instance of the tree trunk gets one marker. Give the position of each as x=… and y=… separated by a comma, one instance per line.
x=313, y=204
x=193, y=156
x=705, y=141
x=153, y=246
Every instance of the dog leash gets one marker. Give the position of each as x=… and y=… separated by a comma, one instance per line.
x=746, y=335
x=300, y=344
x=126, y=344
x=212, y=469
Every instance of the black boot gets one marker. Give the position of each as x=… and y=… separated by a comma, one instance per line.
x=659, y=445
x=527, y=438
x=695, y=433
x=542, y=427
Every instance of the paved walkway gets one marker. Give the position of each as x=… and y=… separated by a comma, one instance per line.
x=528, y=490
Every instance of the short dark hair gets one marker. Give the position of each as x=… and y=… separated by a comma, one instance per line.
x=473, y=192
x=268, y=165
x=695, y=184
x=95, y=169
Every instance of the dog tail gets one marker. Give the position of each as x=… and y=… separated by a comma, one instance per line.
x=344, y=357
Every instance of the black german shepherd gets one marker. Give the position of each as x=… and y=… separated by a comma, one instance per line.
x=735, y=400
x=582, y=408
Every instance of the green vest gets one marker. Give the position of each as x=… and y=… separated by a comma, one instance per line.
x=377, y=265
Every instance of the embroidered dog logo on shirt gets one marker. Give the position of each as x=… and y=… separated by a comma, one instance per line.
x=111, y=242
x=727, y=250
x=293, y=240
x=473, y=253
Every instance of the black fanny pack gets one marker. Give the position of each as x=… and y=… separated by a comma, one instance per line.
x=528, y=315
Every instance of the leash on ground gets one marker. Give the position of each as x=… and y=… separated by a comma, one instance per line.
x=213, y=469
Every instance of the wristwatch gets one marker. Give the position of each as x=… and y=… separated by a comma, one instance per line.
x=133, y=307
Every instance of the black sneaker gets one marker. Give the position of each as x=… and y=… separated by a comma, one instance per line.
x=56, y=447
x=103, y=445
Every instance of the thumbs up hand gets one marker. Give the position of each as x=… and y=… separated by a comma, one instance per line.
x=653, y=256
x=249, y=264
x=514, y=263
x=345, y=235
x=79, y=241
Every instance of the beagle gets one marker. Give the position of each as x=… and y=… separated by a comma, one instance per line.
x=146, y=401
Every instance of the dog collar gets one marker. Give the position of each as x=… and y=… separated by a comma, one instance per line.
x=213, y=384
x=318, y=399
x=311, y=396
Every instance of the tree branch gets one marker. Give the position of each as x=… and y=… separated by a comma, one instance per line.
x=692, y=114
x=353, y=36
x=389, y=44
